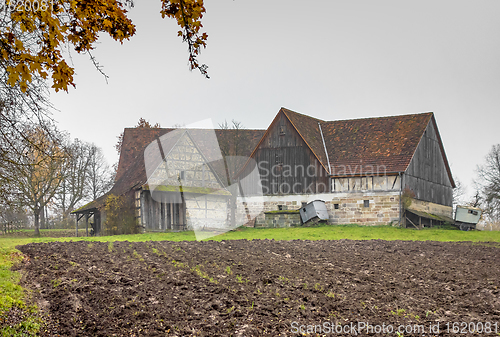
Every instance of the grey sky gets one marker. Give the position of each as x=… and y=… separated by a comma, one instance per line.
x=327, y=59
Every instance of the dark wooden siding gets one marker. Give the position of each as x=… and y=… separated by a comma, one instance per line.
x=286, y=164
x=427, y=175
x=159, y=216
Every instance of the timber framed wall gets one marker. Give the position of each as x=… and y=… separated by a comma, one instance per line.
x=426, y=174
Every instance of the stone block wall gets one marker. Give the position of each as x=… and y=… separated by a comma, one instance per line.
x=258, y=207
x=383, y=207
x=275, y=219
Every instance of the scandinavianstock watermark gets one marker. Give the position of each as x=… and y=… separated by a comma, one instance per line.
x=27, y=6
x=186, y=170
x=363, y=328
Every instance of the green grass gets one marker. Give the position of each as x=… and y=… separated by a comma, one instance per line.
x=353, y=232
x=11, y=294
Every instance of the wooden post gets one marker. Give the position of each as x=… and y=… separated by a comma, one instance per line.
x=172, y=215
x=87, y=224
x=77, y=225
x=182, y=215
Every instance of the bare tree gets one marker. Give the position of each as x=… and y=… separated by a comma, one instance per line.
x=230, y=143
x=489, y=181
x=21, y=109
x=100, y=177
x=458, y=193
x=72, y=188
x=36, y=170
x=20, y=106
x=12, y=213
x=230, y=146
x=476, y=199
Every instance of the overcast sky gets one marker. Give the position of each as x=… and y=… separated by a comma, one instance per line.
x=327, y=59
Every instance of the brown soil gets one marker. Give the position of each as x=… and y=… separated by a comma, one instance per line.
x=259, y=288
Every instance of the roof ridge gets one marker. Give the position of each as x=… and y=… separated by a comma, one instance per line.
x=285, y=110
x=171, y=129
x=381, y=117
x=146, y=128
x=297, y=129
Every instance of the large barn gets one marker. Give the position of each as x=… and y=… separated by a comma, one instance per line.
x=370, y=171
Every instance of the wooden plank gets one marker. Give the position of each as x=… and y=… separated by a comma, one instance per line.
x=412, y=223
x=87, y=224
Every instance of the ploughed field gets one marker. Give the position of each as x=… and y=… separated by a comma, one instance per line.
x=262, y=288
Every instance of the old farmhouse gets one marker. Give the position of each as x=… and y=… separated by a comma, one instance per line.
x=370, y=171
x=173, y=179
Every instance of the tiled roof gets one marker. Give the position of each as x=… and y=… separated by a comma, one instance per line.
x=362, y=145
x=134, y=142
x=377, y=145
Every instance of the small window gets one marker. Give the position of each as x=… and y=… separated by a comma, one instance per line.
x=279, y=160
x=472, y=212
x=280, y=207
x=282, y=130
x=336, y=206
x=304, y=204
x=182, y=175
x=366, y=203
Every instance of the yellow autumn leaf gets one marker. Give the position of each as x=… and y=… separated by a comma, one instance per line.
x=19, y=45
x=107, y=23
x=13, y=77
x=23, y=86
x=79, y=23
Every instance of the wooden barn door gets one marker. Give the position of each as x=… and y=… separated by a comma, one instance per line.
x=169, y=215
x=175, y=216
x=163, y=216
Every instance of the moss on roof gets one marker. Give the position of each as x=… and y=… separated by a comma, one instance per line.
x=188, y=189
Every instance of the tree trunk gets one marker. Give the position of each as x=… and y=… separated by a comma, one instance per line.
x=42, y=217
x=46, y=217
x=37, y=222
x=66, y=220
